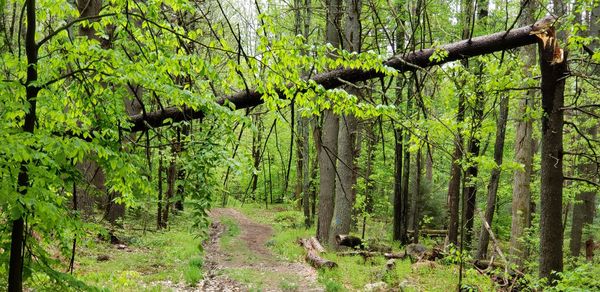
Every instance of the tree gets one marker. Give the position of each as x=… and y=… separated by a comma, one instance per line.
x=328, y=147
x=15, y=268
x=456, y=169
x=554, y=70
x=584, y=208
x=345, y=194
x=484, y=237
x=521, y=196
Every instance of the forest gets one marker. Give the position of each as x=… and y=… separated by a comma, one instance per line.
x=299, y=145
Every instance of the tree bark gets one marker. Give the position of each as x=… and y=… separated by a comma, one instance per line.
x=182, y=134
x=329, y=136
x=456, y=169
x=400, y=208
x=484, y=237
x=551, y=231
x=256, y=153
x=470, y=186
x=521, y=196
x=171, y=178
x=159, y=222
x=416, y=198
x=17, y=244
x=345, y=193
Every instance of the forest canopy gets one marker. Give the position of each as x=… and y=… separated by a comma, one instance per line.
x=474, y=121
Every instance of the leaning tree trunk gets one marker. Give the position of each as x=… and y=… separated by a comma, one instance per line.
x=484, y=237
x=329, y=136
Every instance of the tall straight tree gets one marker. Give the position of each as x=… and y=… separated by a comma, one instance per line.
x=472, y=171
x=484, y=236
x=345, y=193
x=456, y=169
x=329, y=135
x=521, y=196
x=584, y=208
x=400, y=209
x=15, y=267
x=302, y=26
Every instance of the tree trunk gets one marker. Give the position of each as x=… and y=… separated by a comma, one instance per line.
x=159, y=222
x=521, y=197
x=371, y=141
x=345, y=193
x=416, y=198
x=182, y=134
x=551, y=231
x=484, y=237
x=17, y=244
x=400, y=208
x=456, y=168
x=329, y=136
x=256, y=142
x=455, y=178
x=171, y=177
x=460, y=50
x=585, y=208
x=470, y=186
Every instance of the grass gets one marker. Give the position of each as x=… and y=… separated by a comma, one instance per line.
x=169, y=255
x=353, y=273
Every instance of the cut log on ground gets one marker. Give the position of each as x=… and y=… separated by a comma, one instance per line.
x=349, y=241
x=316, y=244
x=357, y=243
x=312, y=247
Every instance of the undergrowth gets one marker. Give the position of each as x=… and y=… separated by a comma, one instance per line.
x=353, y=273
x=152, y=260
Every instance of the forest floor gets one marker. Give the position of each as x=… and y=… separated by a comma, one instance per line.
x=249, y=247
x=239, y=259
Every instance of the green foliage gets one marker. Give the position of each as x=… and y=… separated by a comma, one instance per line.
x=582, y=278
x=290, y=219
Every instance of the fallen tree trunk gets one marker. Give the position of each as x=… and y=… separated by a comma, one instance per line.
x=482, y=45
x=312, y=247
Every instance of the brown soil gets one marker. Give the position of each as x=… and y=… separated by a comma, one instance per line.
x=252, y=257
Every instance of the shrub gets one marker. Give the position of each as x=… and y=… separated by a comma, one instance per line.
x=290, y=219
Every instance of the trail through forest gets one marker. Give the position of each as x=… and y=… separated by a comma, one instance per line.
x=245, y=262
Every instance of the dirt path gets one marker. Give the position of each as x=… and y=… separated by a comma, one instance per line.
x=247, y=259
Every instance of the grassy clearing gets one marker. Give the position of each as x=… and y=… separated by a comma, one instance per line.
x=151, y=262
x=353, y=273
